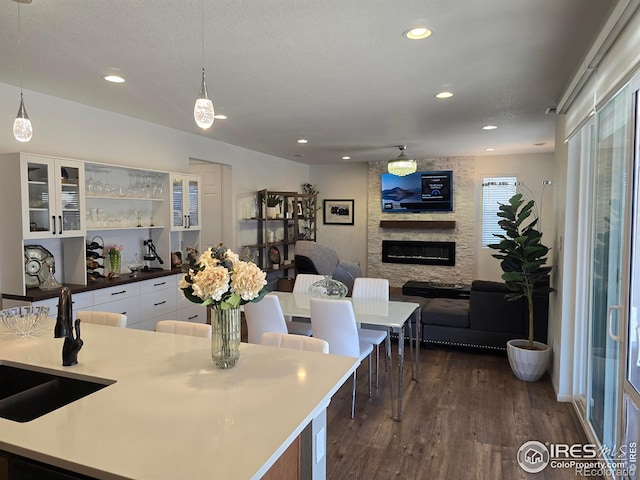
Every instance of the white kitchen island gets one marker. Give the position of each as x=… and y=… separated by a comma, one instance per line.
x=171, y=414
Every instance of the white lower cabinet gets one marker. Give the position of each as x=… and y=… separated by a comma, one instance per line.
x=195, y=313
x=144, y=303
x=157, y=301
x=80, y=301
x=123, y=299
x=188, y=311
x=126, y=306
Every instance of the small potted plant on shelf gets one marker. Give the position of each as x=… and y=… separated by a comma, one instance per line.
x=523, y=257
x=272, y=201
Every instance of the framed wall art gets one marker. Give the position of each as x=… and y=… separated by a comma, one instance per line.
x=337, y=212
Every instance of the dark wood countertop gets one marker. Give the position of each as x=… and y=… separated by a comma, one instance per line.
x=35, y=294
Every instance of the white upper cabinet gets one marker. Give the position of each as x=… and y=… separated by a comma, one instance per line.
x=185, y=202
x=53, y=201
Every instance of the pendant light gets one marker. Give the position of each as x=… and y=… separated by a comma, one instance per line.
x=203, y=112
x=403, y=165
x=22, y=129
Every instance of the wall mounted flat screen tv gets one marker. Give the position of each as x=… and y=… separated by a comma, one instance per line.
x=418, y=192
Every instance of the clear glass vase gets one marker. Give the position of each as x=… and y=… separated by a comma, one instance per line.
x=115, y=260
x=225, y=337
x=328, y=288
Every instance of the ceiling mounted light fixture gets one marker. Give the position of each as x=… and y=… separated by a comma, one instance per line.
x=22, y=129
x=417, y=33
x=114, y=78
x=402, y=165
x=203, y=112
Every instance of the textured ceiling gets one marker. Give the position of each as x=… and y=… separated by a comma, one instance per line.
x=338, y=73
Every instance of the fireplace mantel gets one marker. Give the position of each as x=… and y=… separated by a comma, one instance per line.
x=419, y=224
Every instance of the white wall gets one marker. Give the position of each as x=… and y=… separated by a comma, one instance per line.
x=348, y=181
x=71, y=130
x=531, y=169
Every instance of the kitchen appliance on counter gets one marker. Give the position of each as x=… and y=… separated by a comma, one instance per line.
x=150, y=255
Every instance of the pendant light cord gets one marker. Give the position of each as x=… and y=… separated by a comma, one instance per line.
x=19, y=49
x=202, y=30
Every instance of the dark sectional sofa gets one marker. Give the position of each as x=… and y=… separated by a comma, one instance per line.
x=486, y=319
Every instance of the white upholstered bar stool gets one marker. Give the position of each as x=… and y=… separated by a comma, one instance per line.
x=335, y=322
x=180, y=327
x=298, y=342
x=266, y=316
x=102, y=318
x=372, y=289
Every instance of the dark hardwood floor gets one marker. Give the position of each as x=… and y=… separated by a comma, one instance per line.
x=466, y=417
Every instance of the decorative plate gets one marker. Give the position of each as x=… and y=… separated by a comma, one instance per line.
x=37, y=260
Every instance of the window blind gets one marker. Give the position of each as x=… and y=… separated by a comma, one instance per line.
x=495, y=190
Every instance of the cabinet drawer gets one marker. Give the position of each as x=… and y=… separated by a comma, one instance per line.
x=78, y=301
x=126, y=306
x=154, y=284
x=117, y=292
x=182, y=302
x=194, y=313
x=150, y=323
x=157, y=303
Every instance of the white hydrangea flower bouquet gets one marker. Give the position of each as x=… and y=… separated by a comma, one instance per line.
x=220, y=279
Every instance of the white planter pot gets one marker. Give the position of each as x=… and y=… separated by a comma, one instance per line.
x=528, y=365
x=271, y=212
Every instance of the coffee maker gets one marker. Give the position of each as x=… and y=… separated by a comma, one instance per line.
x=150, y=254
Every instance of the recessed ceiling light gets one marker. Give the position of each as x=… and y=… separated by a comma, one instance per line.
x=489, y=149
x=298, y=155
x=539, y=144
x=417, y=33
x=346, y=157
x=443, y=95
x=220, y=117
x=489, y=127
x=114, y=78
x=302, y=140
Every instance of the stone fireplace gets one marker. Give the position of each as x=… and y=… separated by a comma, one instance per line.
x=419, y=252
x=447, y=235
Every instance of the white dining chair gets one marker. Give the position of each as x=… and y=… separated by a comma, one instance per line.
x=180, y=327
x=266, y=316
x=298, y=342
x=372, y=289
x=335, y=322
x=304, y=280
x=102, y=318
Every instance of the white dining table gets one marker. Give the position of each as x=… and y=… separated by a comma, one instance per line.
x=394, y=316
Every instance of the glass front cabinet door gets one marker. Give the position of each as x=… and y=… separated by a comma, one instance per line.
x=52, y=197
x=185, y=202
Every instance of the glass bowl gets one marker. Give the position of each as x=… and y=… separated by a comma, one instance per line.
x=23, y=321
x=134, y=269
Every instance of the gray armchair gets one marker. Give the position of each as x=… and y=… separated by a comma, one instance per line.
x=312, y=257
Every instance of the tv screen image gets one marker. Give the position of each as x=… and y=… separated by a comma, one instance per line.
x=418, y=192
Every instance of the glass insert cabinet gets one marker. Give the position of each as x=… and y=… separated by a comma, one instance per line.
x=64, y=205
x=52, y=196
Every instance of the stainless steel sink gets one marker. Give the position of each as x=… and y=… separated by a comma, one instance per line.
x=26, y=393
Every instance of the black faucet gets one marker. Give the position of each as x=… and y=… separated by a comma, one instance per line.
x=64, y=328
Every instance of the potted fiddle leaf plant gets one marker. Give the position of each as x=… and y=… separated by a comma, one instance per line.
x=522, y=258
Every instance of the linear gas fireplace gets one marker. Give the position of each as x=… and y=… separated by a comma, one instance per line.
x=416, y=252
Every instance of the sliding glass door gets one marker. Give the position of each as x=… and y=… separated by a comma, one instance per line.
x=630, y=423
x=608, y=267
